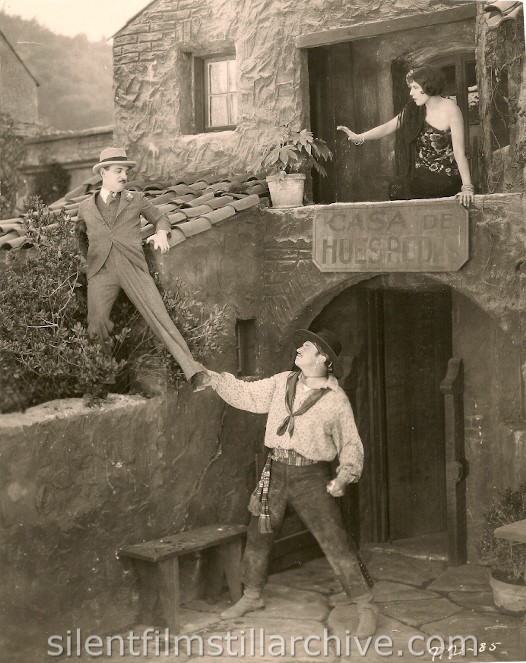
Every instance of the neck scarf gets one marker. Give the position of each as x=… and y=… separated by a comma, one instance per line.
x=312, y=399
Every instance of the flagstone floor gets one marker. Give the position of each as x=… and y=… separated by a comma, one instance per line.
x=418, y=599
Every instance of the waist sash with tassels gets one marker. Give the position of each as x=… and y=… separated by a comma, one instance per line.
x=258, y=505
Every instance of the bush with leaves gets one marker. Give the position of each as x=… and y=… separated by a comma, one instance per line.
x=506, y=558
x=45, y=351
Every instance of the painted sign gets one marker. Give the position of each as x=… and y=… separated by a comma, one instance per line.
x=408, y=236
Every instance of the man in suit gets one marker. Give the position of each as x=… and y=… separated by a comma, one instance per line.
x=109, y=236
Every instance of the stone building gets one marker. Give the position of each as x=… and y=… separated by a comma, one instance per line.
x=200, y=87
x=178, y=67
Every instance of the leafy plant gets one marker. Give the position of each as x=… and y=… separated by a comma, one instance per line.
x=506, y=558
x=45, y=351
x=293, y=152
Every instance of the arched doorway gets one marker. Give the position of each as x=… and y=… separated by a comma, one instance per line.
x=397, y=336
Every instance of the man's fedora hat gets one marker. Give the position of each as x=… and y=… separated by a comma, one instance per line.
x=113, y=156
x=327, y=341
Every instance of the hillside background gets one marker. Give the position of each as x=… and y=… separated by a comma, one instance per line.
x=75, y=74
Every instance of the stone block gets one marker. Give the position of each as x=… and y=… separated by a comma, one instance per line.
x=387, y=566
x=466, y=578
x=150, y=36
x=414, y=613
x=125, y=59
x=135, y=28
x=122, y=40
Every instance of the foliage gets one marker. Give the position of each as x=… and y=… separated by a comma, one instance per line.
x=292, y=152
x=75, y=70
x=45, y=351
x=12, y=151
x=505, y=558
x=51, y=183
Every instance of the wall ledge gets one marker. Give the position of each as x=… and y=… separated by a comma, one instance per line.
x=66, y=408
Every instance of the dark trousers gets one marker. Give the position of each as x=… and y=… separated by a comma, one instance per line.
x=305, y=488
x=119, y=272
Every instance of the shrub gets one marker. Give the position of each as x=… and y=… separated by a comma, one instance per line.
x=45, y=351
x=505, y=558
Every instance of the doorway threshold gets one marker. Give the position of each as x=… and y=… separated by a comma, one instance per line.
x=431, y=547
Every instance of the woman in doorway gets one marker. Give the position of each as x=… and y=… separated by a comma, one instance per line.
x=429, y=144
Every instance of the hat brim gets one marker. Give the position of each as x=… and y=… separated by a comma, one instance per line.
x=302, y=335
x=96, y=168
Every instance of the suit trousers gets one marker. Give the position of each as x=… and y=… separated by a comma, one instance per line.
x=305, y=488
x=103, y=287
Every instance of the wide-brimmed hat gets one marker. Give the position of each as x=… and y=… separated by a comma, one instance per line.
x=113, y=156
x=327, y=341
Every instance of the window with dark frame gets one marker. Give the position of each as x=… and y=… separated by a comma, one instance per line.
x=216, y=93
x=246, y=347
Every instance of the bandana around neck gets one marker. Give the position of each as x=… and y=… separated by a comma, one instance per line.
x=290, y=394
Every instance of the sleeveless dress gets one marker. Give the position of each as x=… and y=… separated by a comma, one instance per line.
x=436, y=171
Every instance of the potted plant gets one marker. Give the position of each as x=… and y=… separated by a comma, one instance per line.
x=287, y=160
x=505, y=558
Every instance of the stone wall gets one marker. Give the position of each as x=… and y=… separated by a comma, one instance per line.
x=77, y=483
x=76, y=151
x=489, y=323
x=153, y=72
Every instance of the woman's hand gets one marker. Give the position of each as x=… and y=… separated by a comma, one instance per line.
x=466, y=195
x=357, y=139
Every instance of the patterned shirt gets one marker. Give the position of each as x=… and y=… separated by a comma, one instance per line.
x=434, y=151
x=327, y=429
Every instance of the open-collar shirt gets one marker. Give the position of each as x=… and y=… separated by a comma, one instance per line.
x=325, y=431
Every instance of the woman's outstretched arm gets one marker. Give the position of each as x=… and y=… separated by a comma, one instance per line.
x=373, y=134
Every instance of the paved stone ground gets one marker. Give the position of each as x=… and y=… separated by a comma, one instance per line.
x=416, y=598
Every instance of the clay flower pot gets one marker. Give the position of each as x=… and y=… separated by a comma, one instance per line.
x=286, y=190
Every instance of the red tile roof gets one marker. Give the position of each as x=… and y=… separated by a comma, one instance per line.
x=192, y=207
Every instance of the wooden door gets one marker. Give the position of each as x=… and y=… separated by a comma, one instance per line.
x=409, y=359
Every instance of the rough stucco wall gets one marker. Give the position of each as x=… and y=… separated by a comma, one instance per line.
x=153, y=90
x=502, y=50
x=18, y=91
x=492, y=342
x=495, y=433
x=79, y=483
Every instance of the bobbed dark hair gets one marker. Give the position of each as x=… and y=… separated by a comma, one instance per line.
x=429, y=78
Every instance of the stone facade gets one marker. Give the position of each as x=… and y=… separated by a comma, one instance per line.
x=138, y=469
x=154, y=72
x=76, y=151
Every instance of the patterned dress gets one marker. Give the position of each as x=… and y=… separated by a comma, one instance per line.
x=436, y=171
x=434, y=151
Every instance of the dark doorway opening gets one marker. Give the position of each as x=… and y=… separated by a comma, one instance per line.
x=397, y=341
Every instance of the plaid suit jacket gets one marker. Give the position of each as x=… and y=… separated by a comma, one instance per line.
x=96, y=238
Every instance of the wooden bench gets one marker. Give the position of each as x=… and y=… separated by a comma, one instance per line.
x=516, y=532
x=157, y=563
